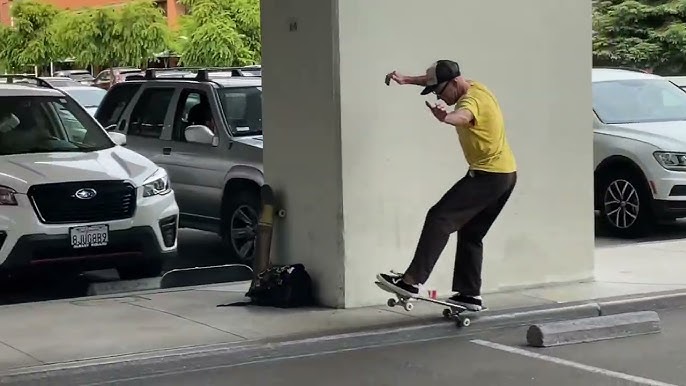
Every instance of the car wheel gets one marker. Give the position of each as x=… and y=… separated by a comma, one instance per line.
x=625, y=204
x=239, y=230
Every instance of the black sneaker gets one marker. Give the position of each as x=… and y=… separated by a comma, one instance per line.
x=396, y=284
x=469, y=302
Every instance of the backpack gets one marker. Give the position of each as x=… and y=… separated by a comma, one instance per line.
x=283, y=286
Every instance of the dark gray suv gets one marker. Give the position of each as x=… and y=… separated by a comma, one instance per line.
x=204, y=128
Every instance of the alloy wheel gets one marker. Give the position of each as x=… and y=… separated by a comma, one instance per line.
x=621, y=204
x=244, y=232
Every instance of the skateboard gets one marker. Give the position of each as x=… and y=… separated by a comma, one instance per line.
x=452, y=311
x=265, y=228
x=183, y=277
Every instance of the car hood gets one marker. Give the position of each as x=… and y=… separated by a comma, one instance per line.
x=254, y=141
x=669, y=136
x=21, y=171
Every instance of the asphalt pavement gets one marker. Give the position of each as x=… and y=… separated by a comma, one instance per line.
x=430, y=356
x=196, y=248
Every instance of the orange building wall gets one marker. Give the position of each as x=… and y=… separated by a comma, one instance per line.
x=5, y=12
x=174, y=10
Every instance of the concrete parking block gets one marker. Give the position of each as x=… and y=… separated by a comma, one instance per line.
x=593, y=329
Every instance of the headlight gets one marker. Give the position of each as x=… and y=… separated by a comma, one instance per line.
x=157, y=184
x=671, y=160
x=7, y=196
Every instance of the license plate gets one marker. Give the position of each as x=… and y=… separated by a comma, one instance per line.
x=89, y=236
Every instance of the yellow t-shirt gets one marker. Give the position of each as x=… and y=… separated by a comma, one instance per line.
x=484, y=142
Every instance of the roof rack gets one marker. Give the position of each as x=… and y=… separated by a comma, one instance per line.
x=201, y=73
x=38, y=81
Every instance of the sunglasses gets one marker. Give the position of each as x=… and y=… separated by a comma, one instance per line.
x=439, y=90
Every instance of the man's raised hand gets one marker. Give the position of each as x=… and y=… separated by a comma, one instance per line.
x=438, y=110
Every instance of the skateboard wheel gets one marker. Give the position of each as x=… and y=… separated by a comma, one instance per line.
x=391, y=302
x=446, y=313
x=408, y=306
x=464, y=322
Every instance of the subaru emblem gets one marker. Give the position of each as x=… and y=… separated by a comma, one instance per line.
x=85, y=194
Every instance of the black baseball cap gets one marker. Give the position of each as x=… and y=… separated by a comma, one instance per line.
x=440, y=72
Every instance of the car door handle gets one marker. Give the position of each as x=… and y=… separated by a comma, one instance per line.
x=166, y=150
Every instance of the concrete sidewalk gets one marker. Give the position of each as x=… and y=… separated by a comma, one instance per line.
x=98, y=327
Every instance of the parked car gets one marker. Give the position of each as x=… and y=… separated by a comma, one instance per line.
x=111, y=76
x=60, y=81
x=639, y=123
x=206, y=132
x=89, y=97
x=77, y=200
x=82, y=76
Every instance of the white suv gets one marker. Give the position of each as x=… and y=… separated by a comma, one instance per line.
x=639, y=142
x=70, y=194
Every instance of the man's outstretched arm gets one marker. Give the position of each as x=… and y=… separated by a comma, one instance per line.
x=399, y=78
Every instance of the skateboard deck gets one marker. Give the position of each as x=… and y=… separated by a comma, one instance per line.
x=452, y=311
x=184, y=277
x=265, y=227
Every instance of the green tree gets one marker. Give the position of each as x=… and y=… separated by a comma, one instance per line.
x=220, y=33
x=640, y=33
x=128, y=35
x=31, y=41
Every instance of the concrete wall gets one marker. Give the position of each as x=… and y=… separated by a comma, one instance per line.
x=359, y=163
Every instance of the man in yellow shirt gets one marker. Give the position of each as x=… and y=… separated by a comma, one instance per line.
x=471, y=205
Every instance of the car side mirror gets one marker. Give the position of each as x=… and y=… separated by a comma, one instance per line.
x=118, y=138
x=200, y=134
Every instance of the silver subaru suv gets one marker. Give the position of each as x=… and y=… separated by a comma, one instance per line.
x=204, y=126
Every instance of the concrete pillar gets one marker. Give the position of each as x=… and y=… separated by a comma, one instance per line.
x=358, y=163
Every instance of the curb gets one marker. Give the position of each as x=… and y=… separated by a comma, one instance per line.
x=674, y=299
x=398, y=330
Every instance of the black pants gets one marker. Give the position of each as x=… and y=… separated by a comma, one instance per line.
x=470, y=207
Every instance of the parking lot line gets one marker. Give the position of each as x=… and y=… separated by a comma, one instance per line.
x=564, y=362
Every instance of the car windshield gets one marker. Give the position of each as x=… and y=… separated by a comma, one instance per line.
x=242, y=108
x=638, y=100
x=87, y=96
x=32, y=124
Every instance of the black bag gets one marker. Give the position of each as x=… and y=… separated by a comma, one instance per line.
x=283, y=286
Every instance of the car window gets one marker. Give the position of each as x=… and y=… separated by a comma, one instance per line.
x=104, y=75
x=47, y=124
x=113, y=105
x=638, y=100
x=193, y=108
x=147, y=118
x=242, y=108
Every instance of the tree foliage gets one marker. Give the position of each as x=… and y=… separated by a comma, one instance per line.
x=220, y=33
x=31, y=40
x=640, y=33
x=128, y=35
x=215, y=33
